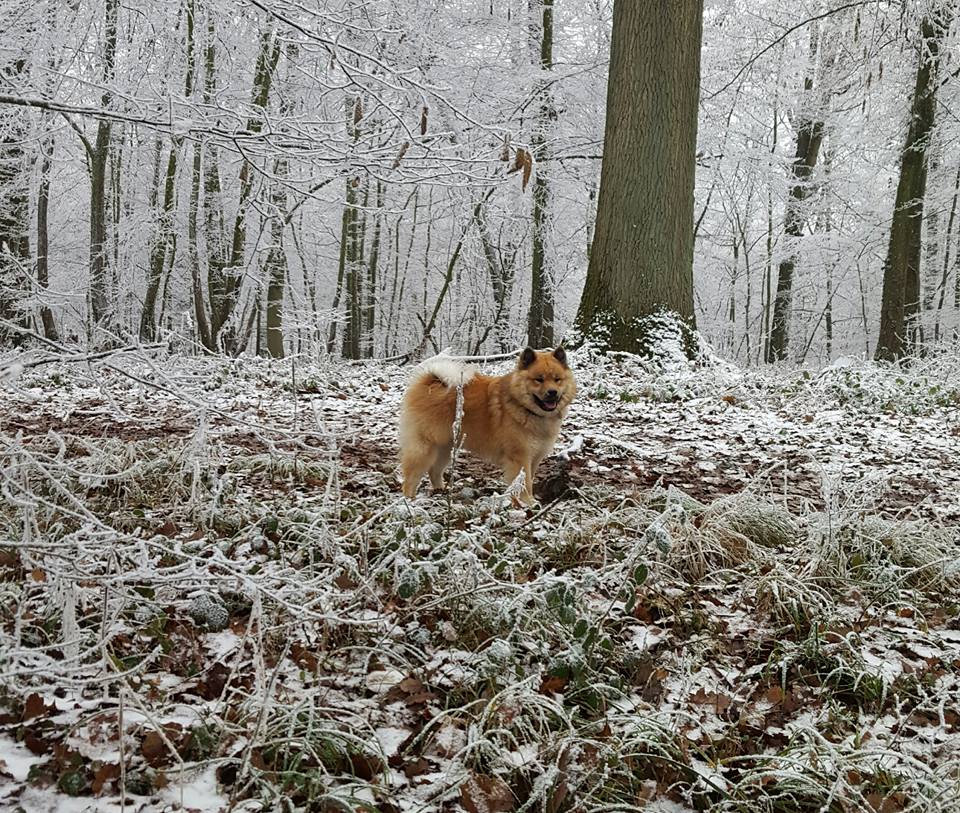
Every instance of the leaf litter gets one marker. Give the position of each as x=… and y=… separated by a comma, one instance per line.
x=739, y=588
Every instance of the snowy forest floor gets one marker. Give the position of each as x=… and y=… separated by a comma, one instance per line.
x=740, y=592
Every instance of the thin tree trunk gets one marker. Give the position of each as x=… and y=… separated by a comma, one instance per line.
x=43, y=241
x=158, y=254
x=14, y=212
x=370, y=304
x=223, y=304
x=99, y=295
x=541, y=315
x=348, y=213
x=161, y=246
x=276, y=264
x=809, y=139
x=352, y=241
x=353, y=329
x=942, y=286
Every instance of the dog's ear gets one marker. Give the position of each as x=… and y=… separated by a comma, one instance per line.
x=560, y=355
x=527, y=357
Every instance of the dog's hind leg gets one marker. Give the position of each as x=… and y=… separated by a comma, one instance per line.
x=415, y=460
x=439, y=466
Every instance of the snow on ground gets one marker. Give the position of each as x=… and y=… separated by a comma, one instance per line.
x=734, y=579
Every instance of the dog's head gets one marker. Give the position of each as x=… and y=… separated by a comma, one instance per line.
x=543, y=381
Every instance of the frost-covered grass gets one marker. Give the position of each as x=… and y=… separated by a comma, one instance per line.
x=739, y=592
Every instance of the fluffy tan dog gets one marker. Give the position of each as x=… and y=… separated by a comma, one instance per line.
x=510, y=420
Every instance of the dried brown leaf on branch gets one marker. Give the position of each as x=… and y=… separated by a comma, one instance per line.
x=523, y=162
x=423, y=120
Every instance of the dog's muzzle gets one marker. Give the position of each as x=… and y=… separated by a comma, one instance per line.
x=548, y=403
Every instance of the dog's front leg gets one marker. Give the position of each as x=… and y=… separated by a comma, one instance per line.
x=511, y=470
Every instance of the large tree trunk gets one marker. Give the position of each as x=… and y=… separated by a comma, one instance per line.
x=641, y=262
x=901, y=271
x=540, y=317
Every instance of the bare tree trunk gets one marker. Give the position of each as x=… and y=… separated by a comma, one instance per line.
x=158, y=254
x=931, y=246
x=540, y=317
x=14, y=211
x=43, y=241
x=370, y=303
x=98, y=154
x=809, y=139
x=901, y=271
x=501, y=282
x=353, y=329
x=276, y=264
x=944, y=276
x=224, y=292
x=642, y=257
x=345, y=221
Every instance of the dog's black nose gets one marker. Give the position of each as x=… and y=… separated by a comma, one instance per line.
x=551, y=395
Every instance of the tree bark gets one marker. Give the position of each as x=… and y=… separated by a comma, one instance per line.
x=641, y=262
x=900, y=303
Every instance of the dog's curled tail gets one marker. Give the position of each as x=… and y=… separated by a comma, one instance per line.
x=448, y=371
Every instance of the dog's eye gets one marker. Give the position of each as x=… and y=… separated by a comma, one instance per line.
x=539, y=380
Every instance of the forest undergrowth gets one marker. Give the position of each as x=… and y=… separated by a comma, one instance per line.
x=740, y=591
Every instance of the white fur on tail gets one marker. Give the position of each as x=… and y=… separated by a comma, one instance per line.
x=450, y=371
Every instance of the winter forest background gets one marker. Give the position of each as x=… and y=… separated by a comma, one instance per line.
x=737, y=591
x=347, y=177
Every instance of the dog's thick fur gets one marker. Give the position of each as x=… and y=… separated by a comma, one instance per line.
x=510, y=420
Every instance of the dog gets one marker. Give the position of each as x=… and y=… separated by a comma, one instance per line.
x=510, y=420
